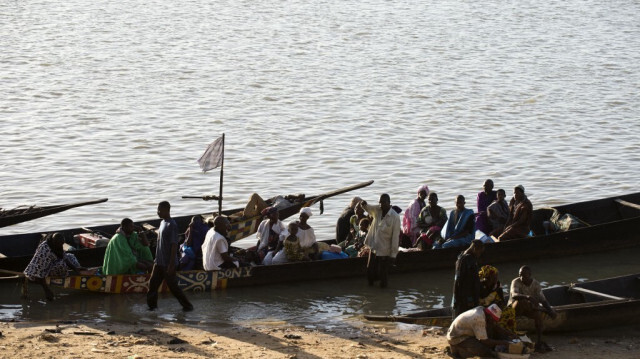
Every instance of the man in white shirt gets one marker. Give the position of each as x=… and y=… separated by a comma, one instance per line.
x=383, y=239
x=475, y=332
x=215, y=249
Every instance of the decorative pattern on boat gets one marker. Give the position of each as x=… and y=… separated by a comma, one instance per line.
x=189, y=281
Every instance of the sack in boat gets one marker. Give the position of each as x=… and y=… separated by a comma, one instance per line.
x=335, y=248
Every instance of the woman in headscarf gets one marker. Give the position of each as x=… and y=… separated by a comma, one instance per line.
x=306, y=234
x=491, y=293
x=410, y=227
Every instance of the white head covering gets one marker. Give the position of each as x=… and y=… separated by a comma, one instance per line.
x=306, y=210
x=424, y=187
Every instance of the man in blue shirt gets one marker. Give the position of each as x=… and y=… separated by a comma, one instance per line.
x=166, y=260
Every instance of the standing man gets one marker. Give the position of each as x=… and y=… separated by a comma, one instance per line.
x=527, y=300
x=520, y=216
x=383, y=239
x=164, y=267
x=483, y=200
x=215, y=249
x=466, y=283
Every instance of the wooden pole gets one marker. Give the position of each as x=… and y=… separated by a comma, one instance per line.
x=221, y=176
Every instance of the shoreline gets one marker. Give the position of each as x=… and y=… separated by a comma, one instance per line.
x=272, y=340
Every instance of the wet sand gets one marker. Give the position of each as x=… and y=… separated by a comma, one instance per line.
x=275, y=340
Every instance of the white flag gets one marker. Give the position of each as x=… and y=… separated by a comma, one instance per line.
x=212, y=156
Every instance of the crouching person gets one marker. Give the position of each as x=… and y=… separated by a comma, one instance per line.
x=50, y=259
x=476, y=332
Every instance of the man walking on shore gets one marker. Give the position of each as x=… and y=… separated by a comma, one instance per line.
x=164, y=267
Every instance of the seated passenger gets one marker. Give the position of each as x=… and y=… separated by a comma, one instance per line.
x=410, y=227
x=191, y=249
x=268, y=232
x=460, y=227
x=343, y=226
x=520, y=215
x=353, y=245
x=483, y=200
x=215, y=249
x=354, y=221
x=431, y=220
x=50, y=259
x=498, y=213
x=306, y=234
x=291, y=250
x=128, y=251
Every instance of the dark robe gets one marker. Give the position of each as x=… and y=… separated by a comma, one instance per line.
x=343, y=226
x=466, y=285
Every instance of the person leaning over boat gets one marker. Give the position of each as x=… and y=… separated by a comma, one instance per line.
x=460, y=227
x=128, y=251
x=410, y=227
x=520, y=216
x=215, y=249
x=483, y=200
x=269, y=232
x=466, y=282
x=50, y=259
x=475, y=333
x=527, y=299
x=383, y=239
x=164, y=267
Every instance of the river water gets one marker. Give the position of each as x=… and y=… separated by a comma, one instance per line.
x=119, y=100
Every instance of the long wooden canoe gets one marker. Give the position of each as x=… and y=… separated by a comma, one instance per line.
x=18, y=215
x=580, y=306
x=16, y=250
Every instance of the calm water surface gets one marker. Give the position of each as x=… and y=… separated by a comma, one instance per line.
x=119, y=99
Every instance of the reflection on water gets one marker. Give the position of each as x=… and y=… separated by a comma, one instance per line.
x=322, y=304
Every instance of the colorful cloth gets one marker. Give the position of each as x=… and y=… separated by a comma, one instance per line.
x=123, y=254
x=293, y=250
x=46, y=263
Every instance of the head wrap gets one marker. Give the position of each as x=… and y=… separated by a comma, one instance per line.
x=269, y=210
x=494, y=312
x=487, y=271
x=521, y=187
x=306, y=210
x=424, y=187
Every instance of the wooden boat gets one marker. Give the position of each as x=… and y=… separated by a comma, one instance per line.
x=16, y=250
x=18, y=215
x=580, y=306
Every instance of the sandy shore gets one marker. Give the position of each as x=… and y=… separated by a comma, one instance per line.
x=275, y=340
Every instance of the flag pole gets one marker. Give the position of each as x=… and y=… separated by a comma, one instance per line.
x=221, y=176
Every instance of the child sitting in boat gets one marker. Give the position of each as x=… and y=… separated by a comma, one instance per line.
x=291, y=250
x=355, y=241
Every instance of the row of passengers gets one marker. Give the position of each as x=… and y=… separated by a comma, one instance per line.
x=509, y=221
